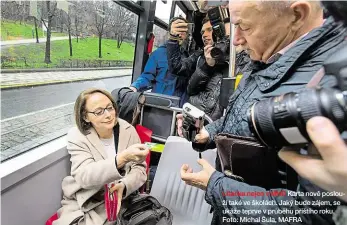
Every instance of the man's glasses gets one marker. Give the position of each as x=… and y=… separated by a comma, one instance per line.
x=100, y=112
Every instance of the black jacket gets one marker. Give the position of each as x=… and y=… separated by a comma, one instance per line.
x=242, y=62
x=205, y=85
x=204, y=81
x=290, y=73
x=129, y=104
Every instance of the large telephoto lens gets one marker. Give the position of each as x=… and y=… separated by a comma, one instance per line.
x=281, y=121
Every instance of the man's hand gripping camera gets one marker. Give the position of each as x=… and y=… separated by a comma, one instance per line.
x=193, y=122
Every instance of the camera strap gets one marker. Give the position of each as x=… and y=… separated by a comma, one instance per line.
x=317, y=77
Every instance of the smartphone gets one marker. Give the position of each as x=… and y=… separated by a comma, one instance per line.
x=188, y=25
x=190, y=28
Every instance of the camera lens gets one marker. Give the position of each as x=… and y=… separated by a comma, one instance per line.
x=281, y=120
x=220, y=51
x=216, y=53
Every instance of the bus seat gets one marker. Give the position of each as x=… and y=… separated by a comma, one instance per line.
x=158, y=116
x=145, y=135
x=186, y=203
x=161, y=99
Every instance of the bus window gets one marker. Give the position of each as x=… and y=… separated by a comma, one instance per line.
x=163, y=10
x=160, y=36
x=179, y=12
x=51, y=51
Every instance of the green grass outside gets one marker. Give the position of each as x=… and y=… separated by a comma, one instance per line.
x=15, y=31
x=85, y=49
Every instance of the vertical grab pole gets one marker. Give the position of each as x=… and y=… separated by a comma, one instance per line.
x=232, y=60
x=228, y=83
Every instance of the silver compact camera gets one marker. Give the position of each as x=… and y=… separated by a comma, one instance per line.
x=193, y=121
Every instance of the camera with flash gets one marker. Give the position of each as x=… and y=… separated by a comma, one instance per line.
x=193, y=121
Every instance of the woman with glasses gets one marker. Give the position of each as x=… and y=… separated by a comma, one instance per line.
x=104, y=149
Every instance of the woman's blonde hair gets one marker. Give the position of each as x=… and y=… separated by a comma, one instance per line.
x=80, y=108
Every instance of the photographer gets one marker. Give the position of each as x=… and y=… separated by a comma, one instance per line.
x=205, y=83
x=156, y=75
x=203, y=72
x=288, y=46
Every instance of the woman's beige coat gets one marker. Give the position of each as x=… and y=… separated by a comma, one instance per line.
x=91, y=169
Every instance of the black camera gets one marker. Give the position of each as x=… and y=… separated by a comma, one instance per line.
x=281, y=120
x=218, y=17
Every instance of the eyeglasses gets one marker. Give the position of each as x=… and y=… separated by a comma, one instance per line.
x=100, y=112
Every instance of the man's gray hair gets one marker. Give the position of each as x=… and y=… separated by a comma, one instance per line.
x=278, y=7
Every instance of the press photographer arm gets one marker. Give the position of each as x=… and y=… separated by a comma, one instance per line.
x=144, y=81
x=202, y=74
x=179, y=65
x=329, y=172
x=179, y=28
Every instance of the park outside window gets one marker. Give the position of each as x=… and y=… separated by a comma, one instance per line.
x=51, y=51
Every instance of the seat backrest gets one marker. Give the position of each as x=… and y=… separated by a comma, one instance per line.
x=158, y=115
x=186, y=203
x=161, y=99
x=129, y=104
x=37, y=194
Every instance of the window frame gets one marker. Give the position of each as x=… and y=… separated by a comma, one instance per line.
x=176, y=5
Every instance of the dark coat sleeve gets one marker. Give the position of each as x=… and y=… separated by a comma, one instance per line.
x=177, y=64
x=144, y=81
x=198, y=18
x=200, y=77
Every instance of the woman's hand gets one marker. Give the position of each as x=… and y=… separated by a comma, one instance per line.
x=119, y=188
x=135, y=153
